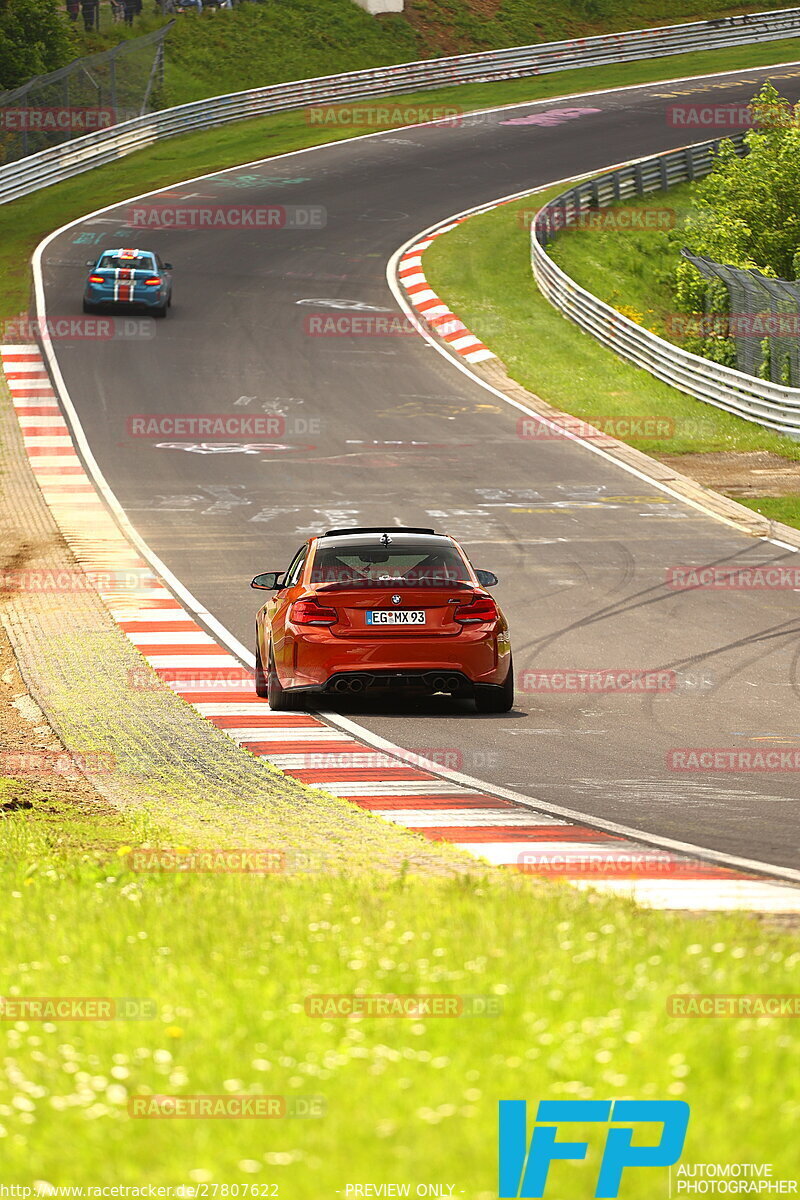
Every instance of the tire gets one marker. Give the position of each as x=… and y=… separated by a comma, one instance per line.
x=88, y=308
x=261, y=679
x=280, y=700
x=160, y=312
x=490, y=698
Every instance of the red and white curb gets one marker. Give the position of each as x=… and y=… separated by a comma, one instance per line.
x=431, y=308
x=399, y=789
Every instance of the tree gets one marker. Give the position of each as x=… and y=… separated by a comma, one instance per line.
x=748, y=209
x=34, y=38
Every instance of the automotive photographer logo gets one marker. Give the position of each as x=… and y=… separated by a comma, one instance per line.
x=524, y=1167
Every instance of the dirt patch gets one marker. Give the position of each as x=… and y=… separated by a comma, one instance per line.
x=436, y=27
x=754, y=473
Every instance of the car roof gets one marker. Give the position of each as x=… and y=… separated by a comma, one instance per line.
x=127, y=252
x=396, y=538
x=355, y=530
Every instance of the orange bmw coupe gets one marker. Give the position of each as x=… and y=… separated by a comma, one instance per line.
x=391, y=610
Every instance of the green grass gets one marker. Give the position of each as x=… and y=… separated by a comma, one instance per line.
x=776, y=508
x=228, y=961
x=482, y=270
x=631, y=270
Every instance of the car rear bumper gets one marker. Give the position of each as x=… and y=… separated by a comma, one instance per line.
x=324, y=663
x=105, y=299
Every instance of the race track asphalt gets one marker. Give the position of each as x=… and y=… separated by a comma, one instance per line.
x=385, y=429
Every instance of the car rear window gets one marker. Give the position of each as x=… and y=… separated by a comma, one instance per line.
x=416, y=564
x=114, y=262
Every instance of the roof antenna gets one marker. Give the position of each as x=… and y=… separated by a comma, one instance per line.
x=385, y=539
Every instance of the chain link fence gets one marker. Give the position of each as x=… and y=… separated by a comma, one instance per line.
x=88, y=95
x=763, y=320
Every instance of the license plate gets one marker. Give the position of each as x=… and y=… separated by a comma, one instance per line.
x=389, y=616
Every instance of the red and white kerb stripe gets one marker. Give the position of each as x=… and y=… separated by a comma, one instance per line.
x=433, y=310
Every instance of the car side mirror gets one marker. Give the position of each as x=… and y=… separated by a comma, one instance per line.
x=167, y=266
x=90, y=262
x=269, y=581
x=487, y=578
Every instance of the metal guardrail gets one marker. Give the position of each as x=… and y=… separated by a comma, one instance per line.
x=82, y=154
x=757, y=400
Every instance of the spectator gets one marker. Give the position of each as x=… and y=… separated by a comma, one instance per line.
x=73, y=8
x=89, y=9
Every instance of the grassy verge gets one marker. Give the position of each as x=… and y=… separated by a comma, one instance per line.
x=226, y=963
x=776, y=508
x=24, y=223
x=483, y=271
x=631, y=270
x=276, y=40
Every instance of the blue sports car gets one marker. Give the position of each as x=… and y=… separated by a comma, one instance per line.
x=129, y=278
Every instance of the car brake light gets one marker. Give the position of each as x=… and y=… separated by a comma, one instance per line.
x=480, y=608
x=97, y=279
x=308, y=612
x=154, y=282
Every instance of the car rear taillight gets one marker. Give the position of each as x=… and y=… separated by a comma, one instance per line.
x=153, y=282
x=97, y=279
x=308, y=612
x=480, y=608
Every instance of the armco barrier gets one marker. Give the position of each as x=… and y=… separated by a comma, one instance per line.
x=756, y=400
x=50, y=166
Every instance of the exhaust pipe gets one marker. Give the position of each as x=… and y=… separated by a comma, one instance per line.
x=453, y=683
x=439, y=683
x=341, y=685
x=356, y=685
